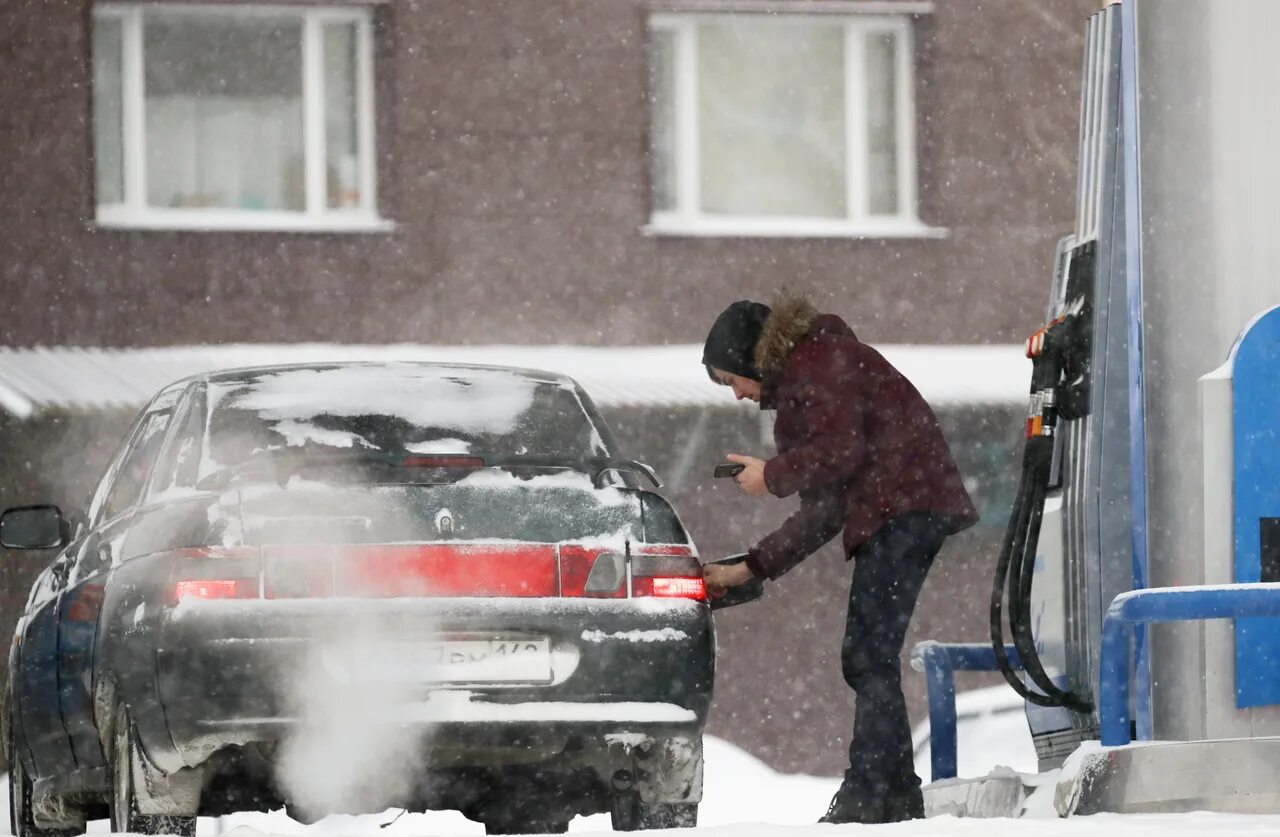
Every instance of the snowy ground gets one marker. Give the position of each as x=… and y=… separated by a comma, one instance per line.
x=744, y=798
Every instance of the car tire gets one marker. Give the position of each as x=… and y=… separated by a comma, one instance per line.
x=123, y=802
x=674, y=815
x=630, y=814
x=21, y=820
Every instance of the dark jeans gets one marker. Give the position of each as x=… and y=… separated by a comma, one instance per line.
x=888, y=572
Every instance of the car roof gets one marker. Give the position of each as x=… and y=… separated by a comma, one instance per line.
x=428, y=369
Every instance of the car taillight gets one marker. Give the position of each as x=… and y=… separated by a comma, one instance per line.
x=680, y=588
x=212, y=588
x=444, y=570
x=655, y=570
x=591, y=573
x=85, y=603
x=212, y=572
x=669, y=571
x=442, y=462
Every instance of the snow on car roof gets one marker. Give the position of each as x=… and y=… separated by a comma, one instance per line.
x=444, y=395
x=396, y=407
x=420, y=370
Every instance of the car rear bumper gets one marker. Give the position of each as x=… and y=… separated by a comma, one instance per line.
x=240, y=672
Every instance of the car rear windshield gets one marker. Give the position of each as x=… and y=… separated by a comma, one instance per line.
x=396, y=410
x=485, y=506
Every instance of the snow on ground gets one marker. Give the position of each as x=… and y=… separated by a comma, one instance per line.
x=991, y=732
x=745, y=798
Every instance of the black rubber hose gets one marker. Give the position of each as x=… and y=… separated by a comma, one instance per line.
x=1014, y=574
x=1015, y=547
x=1020, y=621
x=1022, y=568
x=1008, y=548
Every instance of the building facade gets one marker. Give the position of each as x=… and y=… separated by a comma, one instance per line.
x=439, y=171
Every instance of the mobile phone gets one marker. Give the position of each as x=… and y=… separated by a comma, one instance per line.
x=729, y=469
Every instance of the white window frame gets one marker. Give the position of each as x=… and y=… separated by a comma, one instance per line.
x=134, y=213
x=688, y=220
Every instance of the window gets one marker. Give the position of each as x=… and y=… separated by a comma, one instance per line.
x=134, y=469
x=177, y=467
x=233, y=117
x=162, y=403
x=783, y=125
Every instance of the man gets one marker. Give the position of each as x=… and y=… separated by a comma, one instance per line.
x=863, y=450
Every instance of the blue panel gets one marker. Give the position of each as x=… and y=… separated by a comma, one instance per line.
x=1256, y=489
x=1137, y=395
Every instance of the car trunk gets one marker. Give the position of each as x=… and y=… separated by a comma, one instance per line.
x=369, y=587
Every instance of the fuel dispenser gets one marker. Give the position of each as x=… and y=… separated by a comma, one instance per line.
x=1137, y=591
x=1060, y=355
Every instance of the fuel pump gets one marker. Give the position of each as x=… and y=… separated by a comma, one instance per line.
x=1060, y=388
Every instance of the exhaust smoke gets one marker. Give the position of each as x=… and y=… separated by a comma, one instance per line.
x=348, y=753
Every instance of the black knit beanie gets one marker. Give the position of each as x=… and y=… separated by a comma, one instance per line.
x=731, y=344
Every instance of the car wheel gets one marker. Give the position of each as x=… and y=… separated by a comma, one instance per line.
x=121, y=766
x=630, y=814
x=21, y=821
x=677, y=815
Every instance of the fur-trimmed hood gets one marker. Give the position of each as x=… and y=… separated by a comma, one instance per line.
x=791, y=318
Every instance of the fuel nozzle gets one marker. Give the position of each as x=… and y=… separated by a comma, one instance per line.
x=1060, y=353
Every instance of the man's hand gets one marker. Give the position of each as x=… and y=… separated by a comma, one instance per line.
x=752, y=477
x=720, y=577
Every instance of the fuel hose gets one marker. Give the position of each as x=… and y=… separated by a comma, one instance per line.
x=1015, y=568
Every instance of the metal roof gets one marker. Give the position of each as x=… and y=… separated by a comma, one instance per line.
x=41, y=378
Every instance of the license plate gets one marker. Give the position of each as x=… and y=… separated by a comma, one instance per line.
x=496, y=660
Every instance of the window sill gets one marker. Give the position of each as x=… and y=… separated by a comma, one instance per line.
x=232, y=221
x=774, y=7
x=790, y=228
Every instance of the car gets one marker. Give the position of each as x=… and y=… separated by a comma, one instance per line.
x=349, y=587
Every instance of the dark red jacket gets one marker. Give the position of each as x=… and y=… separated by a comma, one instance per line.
x=854, y=438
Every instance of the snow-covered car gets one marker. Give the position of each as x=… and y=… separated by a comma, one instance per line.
x=349, y=587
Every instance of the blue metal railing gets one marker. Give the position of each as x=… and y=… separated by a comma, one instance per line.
x=1163, y=604
x=940, y=661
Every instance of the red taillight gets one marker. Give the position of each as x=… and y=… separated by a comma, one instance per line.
x=576, y=564
x=443, y=569
x=659, y=570
x=442, y=462
x=214, y=572
x=680, y=588
x=85, y=603
x=213, y=588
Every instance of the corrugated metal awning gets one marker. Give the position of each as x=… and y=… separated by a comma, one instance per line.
x=65, y=377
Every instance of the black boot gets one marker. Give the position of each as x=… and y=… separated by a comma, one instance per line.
x=854, y=803
x=904, y=801
x=904, y=804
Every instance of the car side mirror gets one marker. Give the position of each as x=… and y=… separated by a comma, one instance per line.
x=33, y=527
